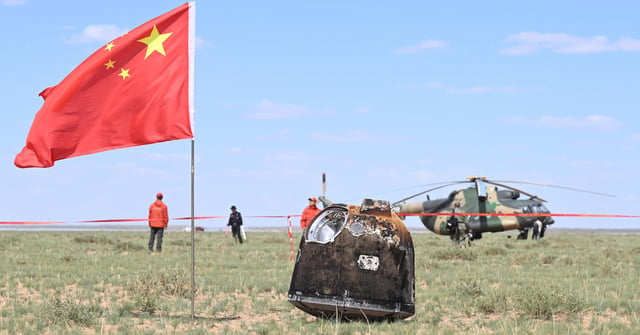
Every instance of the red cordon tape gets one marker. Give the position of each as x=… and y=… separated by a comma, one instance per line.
x=521, y=214
x=288, y=217
x=31, y=222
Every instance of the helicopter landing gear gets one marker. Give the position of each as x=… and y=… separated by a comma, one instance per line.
x=524, y=234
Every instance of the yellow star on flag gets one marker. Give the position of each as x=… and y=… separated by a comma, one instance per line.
x=109, y=64
x=124, y=73
x=154, y=42
x=109, y=46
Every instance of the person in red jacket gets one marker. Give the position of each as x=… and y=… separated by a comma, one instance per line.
x=158, y=221
x=309, y=213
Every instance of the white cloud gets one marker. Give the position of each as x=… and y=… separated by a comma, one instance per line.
x=234, y=150
x=201, y=43
x=532, y=42
x=288, y=162
x=14, y=2
x=97, y=33
x=169, y=157
x=289, y=157
x=593, y=164
x=597, y=122
x=362, y=111
x=436, y=85
x=492, y=89
x=359, y=136
x=429, y=85
x=284, y=133
x=266, y=109
x=479, y=89
x=421, y=46
x=635, y=137
x=327, y=111
x=37, y=191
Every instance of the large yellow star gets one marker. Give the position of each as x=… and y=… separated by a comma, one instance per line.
x=154, y=42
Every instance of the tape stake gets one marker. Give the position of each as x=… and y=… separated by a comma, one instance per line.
x=290, y=239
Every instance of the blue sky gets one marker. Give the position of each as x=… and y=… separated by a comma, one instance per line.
x=382, y=96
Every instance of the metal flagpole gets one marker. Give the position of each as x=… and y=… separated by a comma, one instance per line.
x=192, y=36
x=193, y=230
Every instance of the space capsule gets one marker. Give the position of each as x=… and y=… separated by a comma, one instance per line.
x=355, y=262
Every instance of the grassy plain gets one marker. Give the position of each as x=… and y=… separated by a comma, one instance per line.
x=107, y=283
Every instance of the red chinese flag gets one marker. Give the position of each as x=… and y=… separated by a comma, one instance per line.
x=136, y=90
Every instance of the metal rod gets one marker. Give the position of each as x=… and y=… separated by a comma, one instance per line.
x=193, y=250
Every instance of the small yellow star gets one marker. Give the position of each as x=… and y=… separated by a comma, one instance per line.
x=124, y=73
x=110, y=64
x=109, y=46
x=154, y=42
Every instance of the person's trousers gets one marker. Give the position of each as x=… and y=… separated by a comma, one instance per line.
x=237, y=234
x=156, y=232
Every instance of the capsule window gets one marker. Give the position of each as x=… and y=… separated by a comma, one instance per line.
x=327, y=225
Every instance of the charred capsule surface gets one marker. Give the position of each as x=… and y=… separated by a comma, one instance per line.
x=355, y=262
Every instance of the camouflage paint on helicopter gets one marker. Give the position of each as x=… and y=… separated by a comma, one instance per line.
x=480, y=198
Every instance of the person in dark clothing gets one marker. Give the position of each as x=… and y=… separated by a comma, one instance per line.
x=235, y=221
x=461, y=228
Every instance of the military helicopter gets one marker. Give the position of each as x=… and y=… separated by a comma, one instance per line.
x=484, y=207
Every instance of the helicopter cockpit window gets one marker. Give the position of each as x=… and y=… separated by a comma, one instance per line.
x=541, y=208
x=327, y=225
x=526, y=210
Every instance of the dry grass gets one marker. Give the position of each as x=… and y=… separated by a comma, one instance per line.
x=107, y=283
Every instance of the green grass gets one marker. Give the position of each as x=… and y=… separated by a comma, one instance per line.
x=107, y=283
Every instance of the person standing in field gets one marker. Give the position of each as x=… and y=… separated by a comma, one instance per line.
x=235, y=221
x=158, y=221
x=461, y=227
x=309, y=213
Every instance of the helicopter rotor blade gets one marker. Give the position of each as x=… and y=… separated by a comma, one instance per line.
x=429, y=190
x=556, y=186
x=515, y=189
x=420, y=186
x=406, y=189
